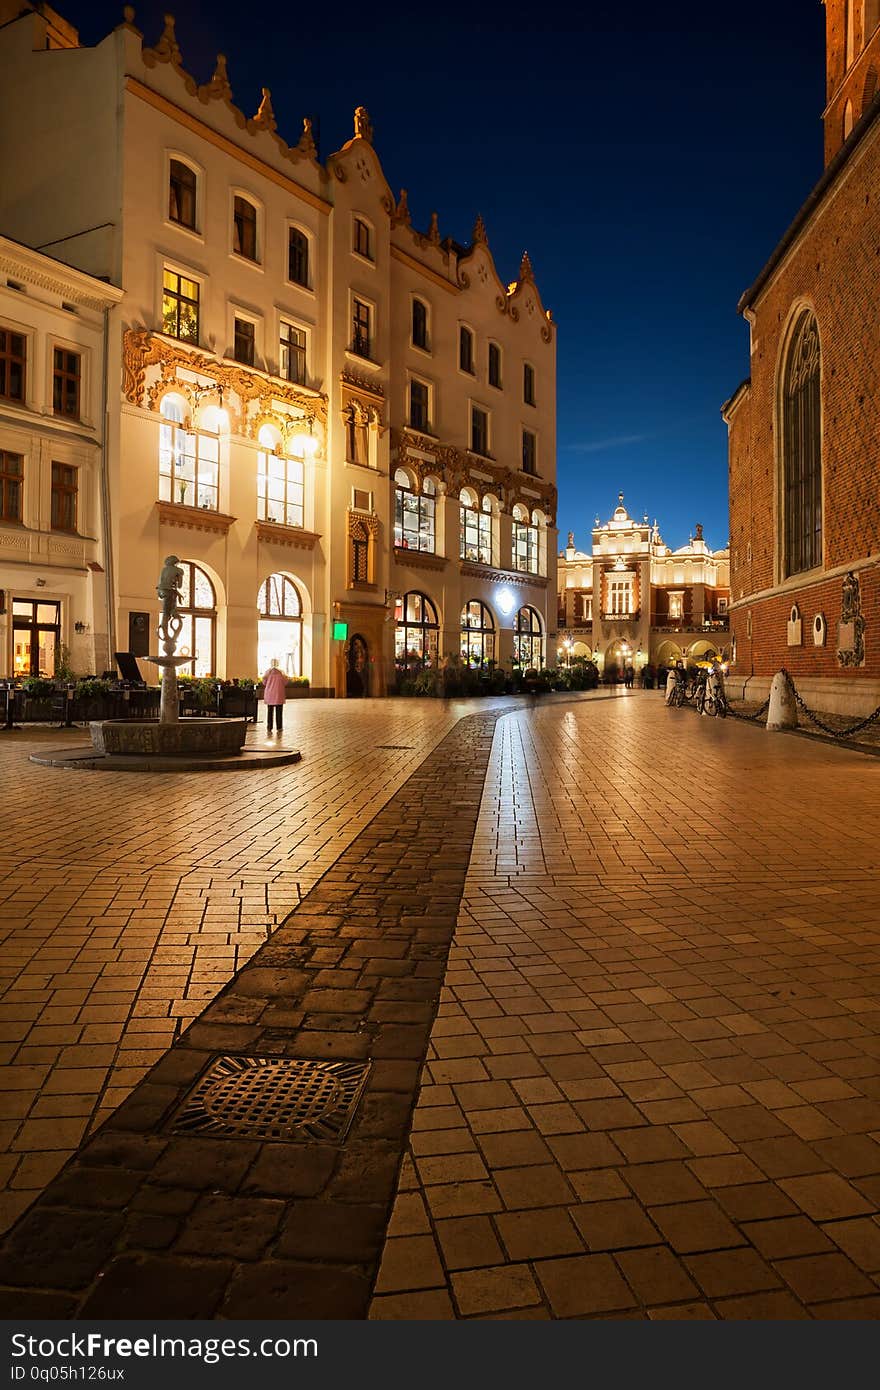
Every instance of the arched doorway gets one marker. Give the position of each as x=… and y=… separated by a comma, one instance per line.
x=702, y=651
x=357, y=669
x=280, y=626
x=477, y=634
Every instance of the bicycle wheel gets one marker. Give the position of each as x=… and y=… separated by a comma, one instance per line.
x=711, y=706
x=721, y=707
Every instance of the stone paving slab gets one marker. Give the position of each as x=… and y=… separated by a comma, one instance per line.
x=215, y=1226
x=653, y=1084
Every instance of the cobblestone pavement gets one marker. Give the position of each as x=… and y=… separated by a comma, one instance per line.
x=652, y=1088
x=127, y=901
x=653, y=1085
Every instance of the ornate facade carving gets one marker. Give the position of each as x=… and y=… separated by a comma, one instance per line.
x=194, y=518
x=292, y=536
x=142, y=349
x=458, y=469
x=851, y=628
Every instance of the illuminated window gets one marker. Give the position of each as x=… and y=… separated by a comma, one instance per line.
x=189, y=460
x=280, y=625
x=180, y=307
x=675, y=606
x=417, y=632
x=280, y=484
x=525, y=542
x=620, y=597
x=414, y=514
x=477, y=634
x=528, y=639
x=476, y=529
x=198, y=612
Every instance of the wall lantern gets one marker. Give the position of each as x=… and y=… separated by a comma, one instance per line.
x=506, y=601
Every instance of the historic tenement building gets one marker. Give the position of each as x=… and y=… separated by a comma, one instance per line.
x=804, y=429
x=54, y=568
x=631, y=600
x=343, y=426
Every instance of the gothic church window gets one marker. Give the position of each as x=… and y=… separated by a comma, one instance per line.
x=802, y=448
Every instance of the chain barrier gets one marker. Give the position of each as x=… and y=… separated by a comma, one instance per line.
x=820, y=723
x=750, y=718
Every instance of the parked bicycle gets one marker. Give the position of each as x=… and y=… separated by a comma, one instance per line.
x=711, y=698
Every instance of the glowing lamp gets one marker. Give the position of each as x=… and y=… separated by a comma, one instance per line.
x=506, y=601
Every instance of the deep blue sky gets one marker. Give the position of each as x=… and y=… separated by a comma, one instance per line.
x=648, y=156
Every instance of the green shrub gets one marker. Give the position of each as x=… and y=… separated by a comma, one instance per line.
x=91, y=688
x=38, y=688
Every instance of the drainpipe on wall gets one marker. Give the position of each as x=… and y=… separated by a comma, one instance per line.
x=105, y=497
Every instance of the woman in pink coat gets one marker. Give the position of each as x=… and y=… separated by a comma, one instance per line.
x=274, y=695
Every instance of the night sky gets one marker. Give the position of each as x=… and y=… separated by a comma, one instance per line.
x=647, y=156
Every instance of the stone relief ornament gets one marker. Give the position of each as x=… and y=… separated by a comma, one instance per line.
x=820, y=629
x=795, y=627
x=363, y=126
x=851, y=628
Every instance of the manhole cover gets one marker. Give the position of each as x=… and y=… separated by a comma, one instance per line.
x=274, y=1098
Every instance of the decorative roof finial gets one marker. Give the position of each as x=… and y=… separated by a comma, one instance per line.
x=167, y=49
x=525, y=268
x=307, y=144
x=698, y=531
x=479, y=232
x=620, y=498
x=128, y=14
x=265, y=117
x=363, y=126
x=402, y=213
x=218, y=88
x=434, y=230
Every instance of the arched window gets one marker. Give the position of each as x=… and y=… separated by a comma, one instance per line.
x=477, y=634
x=244, y=227
x=189, y=460
x=476, y=529
x=802, y=448
x=528, y=639
x=280, y=482
x=420, y=324
x=414, y=513
x=418, y=631
x=525, y=541
x=198, y=611
x=280, y=625
x=298, y=257
x=847, y=119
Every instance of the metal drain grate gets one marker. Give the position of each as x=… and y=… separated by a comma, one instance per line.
x=398, y=747
x=274, y=1098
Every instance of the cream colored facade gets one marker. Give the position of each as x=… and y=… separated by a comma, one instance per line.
x=632, y=600
x=54, y=581
x=382, y=391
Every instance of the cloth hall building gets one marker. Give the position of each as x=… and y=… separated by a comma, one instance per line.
x=344, y=427
x=631, y=600
x=803, y=429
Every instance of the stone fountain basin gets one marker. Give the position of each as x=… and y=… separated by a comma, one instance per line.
x=118, y=737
